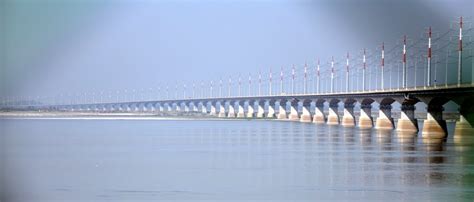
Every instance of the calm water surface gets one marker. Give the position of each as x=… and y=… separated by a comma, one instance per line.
x=172, y=160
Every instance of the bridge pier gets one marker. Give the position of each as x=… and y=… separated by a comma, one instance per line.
x=186, y=107
x=250, y=109
x=222, y=112
x=333, y=117
x=167, y=107
x=365, y=117
x=271, y=108
x=348, y=119
x=434, y=126
x=177, y=107
x=385, y=120
x=194, y=107
x=282, y=109
x=231, y=111
x=213, y=111
x=465, y=124
x=319, y=116
x=306, y=111
x=136, y=108
x=261, y=109
x=240, y=109
x=157, y=107
x=407, y=121
x=294, y=110
x=203, y=107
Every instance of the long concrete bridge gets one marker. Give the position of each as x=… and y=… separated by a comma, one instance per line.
x=433, y=70
x=328, y=108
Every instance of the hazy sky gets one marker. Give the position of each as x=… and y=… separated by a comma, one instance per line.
x=54, y=46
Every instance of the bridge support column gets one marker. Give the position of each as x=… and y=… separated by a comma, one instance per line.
x=177, y=108
x=213, y=111
x=152, y=108
x=250, y=110
x=271, y=108
x=282, y=110
x=240, y=109
x=385, y=120
x=333, y=117
x=261, y=109
x=186, y=107
x=407, y=121
x=194, y=107
x=319, y=116
x=434, y=126
x=231, y=113
x=136, y=108
x=294, y=116
x=365, y=117
x=160, y=108
x=306, y=112
x=222, y=113
x=465, y=124
x=348, y=119
x=203, y=108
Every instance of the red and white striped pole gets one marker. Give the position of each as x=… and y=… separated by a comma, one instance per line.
x=220, y=88
x=383, y=64
x=404, y=76
x=270, y=84
x=210, y=93
x=240, y=86
x=250, y=85
x=230, y=84
x=293, y=80
x=460, y=53
x=305, y=79
x=428, y=77
x=332, y=74
x=259, y=83
x=281, y=80
x=319, y=79
x=363, y=71
x=347, y=72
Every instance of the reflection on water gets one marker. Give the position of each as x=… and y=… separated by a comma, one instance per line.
x=234, y=160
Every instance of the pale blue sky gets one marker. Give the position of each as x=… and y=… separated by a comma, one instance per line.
x=52, y=46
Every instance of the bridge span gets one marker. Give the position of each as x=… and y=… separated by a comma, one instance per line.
x=320, y=108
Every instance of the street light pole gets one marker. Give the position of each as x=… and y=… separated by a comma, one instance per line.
x=270, y=83
x=383, y=64
x=428, y=77
x=363, y=71
x=332, y=74
x=305, y=79
x=460, y=53
x=281, y=80
x=347, y=72
x=293, y=80
x=319, y=78
x=404, y=76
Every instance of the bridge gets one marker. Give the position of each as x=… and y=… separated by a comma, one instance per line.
x=434, y=69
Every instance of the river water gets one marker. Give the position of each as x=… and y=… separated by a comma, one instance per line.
x=212, y=160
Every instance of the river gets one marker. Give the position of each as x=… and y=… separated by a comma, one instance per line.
x=214, y=160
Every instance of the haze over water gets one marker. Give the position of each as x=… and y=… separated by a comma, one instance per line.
x=163, y=160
